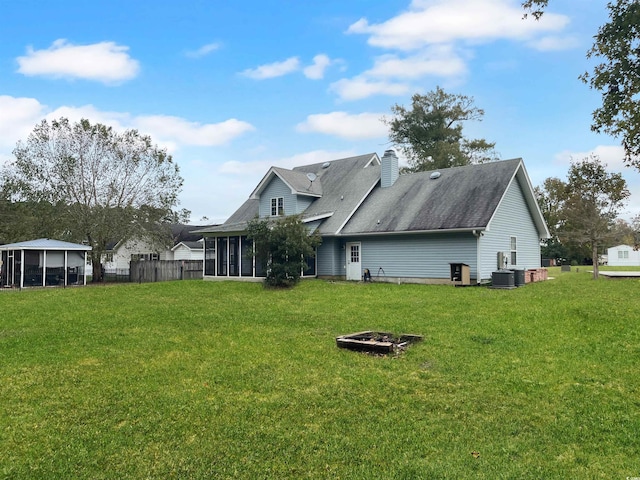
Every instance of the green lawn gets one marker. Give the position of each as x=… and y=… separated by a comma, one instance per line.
x=198, y=379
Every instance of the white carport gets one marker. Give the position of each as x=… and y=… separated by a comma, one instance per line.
x=43, y=262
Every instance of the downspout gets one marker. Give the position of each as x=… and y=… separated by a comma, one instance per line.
x=478, y=234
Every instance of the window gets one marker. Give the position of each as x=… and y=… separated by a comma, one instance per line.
x=108, y=257
x=355, y=253
x=514, y=248
x=277, y=206
x=623, y=254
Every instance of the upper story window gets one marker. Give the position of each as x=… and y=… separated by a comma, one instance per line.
x=277, y=206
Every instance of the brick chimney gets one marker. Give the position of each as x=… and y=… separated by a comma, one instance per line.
x=389, y=169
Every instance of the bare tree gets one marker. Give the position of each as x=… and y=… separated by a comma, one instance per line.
x=104, y=185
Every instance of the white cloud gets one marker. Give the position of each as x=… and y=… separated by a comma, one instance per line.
x=272, y=70
x=203, y=50
x=429, y=22
x=316, y=70
x=344, y=125
x=611, y=155
x=441, y=61
x=181, y=131
x=361, y=87
x=554, y=43
x=117, y=120
x=19, y=116
x=104, y=62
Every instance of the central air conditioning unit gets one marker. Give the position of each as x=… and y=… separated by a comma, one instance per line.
x=503, y=259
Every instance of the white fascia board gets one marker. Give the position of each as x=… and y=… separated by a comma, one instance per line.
x=320, y=216
x=413, y=232
x=371, y=161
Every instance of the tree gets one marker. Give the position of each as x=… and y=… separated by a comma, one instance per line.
x=590, y=201
x=616, y=76
x=430, y=133
x=283, y=246
x=103, y=185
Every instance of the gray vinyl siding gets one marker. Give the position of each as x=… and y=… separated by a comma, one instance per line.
x=329, y=256
x=512, y=219
x=302, y=202
x=277, y=188
x=418, y=255
x=293, y=204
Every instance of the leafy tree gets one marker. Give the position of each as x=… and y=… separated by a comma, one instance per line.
x=616, y=76
x=103, y=185
x=430, y=133
x=282, y=245
x=590, y=201
x=622, y=233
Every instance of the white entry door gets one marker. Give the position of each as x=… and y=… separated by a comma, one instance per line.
x=354, y=270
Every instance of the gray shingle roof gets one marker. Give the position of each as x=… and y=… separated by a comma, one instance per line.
x=353, y=202
x=345, y=183
x=461, y=198
x=44, y=244
x=300, y=183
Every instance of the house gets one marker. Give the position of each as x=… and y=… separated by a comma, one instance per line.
x=182, y=245
x=43, y=262
x=623, y=255
x=422, y=227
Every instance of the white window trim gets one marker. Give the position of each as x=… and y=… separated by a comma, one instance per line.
x=275, y=206
x=513, y=252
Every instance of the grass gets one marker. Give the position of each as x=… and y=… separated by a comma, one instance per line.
x=226, y=380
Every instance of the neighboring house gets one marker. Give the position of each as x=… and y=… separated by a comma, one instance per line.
x=185, y=245
x=43, y=262
x=623, y=256
x=401, y=228
x=188, y=250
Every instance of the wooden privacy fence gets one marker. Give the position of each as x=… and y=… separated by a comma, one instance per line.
x=164, y=270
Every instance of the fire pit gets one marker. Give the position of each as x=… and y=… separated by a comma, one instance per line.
x=376, y=342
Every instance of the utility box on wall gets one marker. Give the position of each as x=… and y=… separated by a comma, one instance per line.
x=460, y=274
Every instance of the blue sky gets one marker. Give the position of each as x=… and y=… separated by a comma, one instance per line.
x=231, y=89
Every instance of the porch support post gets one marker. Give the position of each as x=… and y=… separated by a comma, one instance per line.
x=66, y=273
x=228, y=255
x=44, y=268
x=239, y=255
x=84, y=269
x=21, y=268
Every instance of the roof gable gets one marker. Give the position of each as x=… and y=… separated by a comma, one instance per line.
x=298, y=182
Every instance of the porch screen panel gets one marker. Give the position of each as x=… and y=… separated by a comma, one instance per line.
x=33, y=270
x=310, y=269
x=75, y=268
x=260, y=267
x=222, y=256
x=234, y=257
x=209, y=255
x=54, y=274
x=247, y=257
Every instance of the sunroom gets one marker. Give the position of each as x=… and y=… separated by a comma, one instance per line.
x=232, y=257
x=42, y=263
